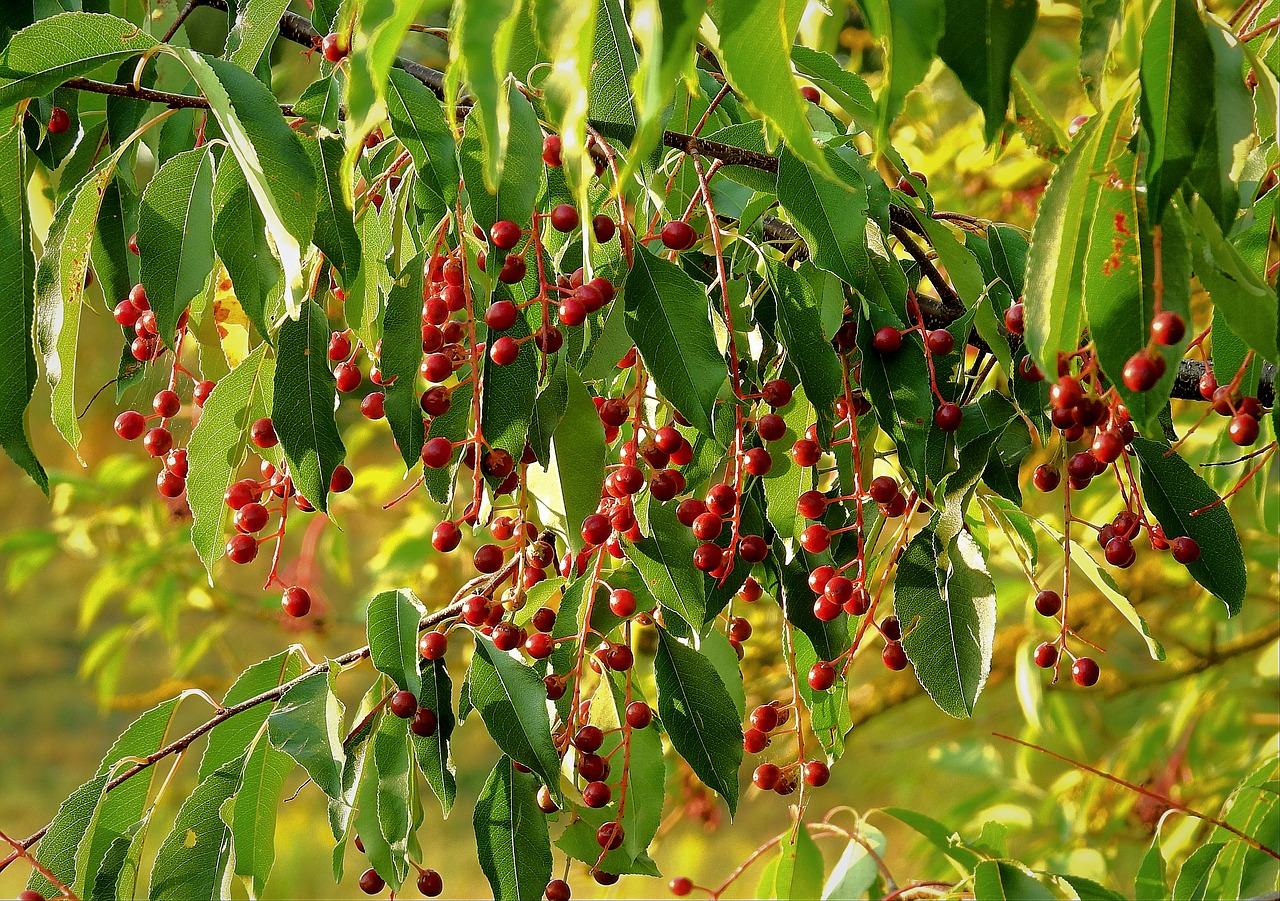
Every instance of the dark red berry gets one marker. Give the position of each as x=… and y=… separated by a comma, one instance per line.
x=334, y=48
x=296, y=601
x=887, y=340
x=430, y=883
x=403, y=704
x=1015, y=318
x=1185, y=550
x=1143, y=370
x=1085, y=671
x=893, y=656
x=940, y=342
x=130, y=425
x=370, y=882
x=432, y=645
x=1168, y=328
x=1048, y=603
x=59, y=121
x=948, y=417
x=505, y=234
x=679, y=235
x=1046, y=655
x=822, y=676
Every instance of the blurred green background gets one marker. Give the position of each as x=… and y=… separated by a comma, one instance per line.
x=107, y=611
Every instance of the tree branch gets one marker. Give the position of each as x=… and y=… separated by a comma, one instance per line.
x=484, y=585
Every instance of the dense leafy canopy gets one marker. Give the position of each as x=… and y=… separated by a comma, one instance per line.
x=662, y=326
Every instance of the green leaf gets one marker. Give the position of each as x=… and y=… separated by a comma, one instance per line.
x=699, y=716
x=1192, y=883
x=1088, y=890
x=980, y=43
x=17, y=317
x=321, y=103
x=1176, y=95
x=1064, y=226
x=193, y=858
x=54, y=50
x=513, y=704
x=253, y=813
x=233, y=737
x=394, y=781
x=664, y=561
x=218, y=445
x=856, y=870
x=511, y=197
x=305, y=726
x=432, y=753
x=303, y=404
x=666, y=32
x=897, y=385
x=938, y=835
x=511, y=834
x=800, y=331
x=667, y=317
x=400, y=358
x=378, y=29
x=1239, y=292
x=335, y=232
x=175, y=236
x=241, y=242
x=786, y=481
x=1149, y=884
x=847, y=89
x=89, y=821
x=1229, y=136
x=797, y=871
x=59, y=294
x=367, y=294
x=947, y=606
x=480, y=40
x=270, y=153
x=755, y=52
x=1003, y=880
x=1100, y=23
x=1174, y=491
x=1119, y=298
x=256, y=24
x=393, y=618
x=831, y=215
x=909, y=32
x=568, y=489
x=611, y=106
x=418, y=121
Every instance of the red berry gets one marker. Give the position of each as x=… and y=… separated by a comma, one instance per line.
x=777, y=393
x=557, y=890
x=130, y=425
x=948, y=417
x=815, y=538
x=504, y=351
x=883, y=489
x=158, y=441
x=816, y=773
x=296, y=601
x=893, y=656
x=429, y=881
x=765, y=776
x=1168, y=328
x=770, y=427
x=1074, y=126
x=263, y=434
x=551, y=151
x=597, y=794
x=201, y=392
x=1048, y=603
x=1015, y=318
x=488, y=558
x=334, y=49
x=707, y=557
x=805, y=452
x=765, y=718
x=813, y=504
x=1119, y=552
x=1143, y=370
x=1085, y=671
x=505, y=234
x=887, y=340
x=622, y=602
x=252, y=517
x=639, y=715
x=754, y=741
x=347, y=376
x=1185, y=550
x=682, y=885
x=403, y=704
x=810, y=93
x=339, y=346
x=679, y=235
x=564, y=217
x=125, y=313
x=370, y=882
x=1046, y=655
x=1243, y=430
x=59, y=121
x=432, y=645
x=940, y=342
x=242, y=549
x=822, y=676
x=609, y=836
x=571, y=312
x=604, y=228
